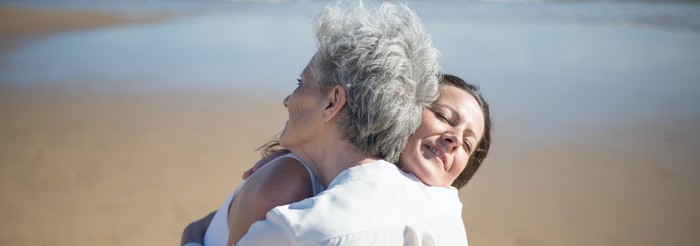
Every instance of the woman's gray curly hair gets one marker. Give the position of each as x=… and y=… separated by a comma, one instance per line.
x=384, y=58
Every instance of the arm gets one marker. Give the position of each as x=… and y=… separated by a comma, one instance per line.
x=272, y=231
x=282, y=181
x=194, y=232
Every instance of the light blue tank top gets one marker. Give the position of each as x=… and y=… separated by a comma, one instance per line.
x=217, y=232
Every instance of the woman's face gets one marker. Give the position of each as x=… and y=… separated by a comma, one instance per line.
x=449, y=132
x=304, y=107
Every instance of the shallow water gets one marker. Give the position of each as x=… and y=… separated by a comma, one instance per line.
x=546, y=64
x=550, y=66
x=560, y=70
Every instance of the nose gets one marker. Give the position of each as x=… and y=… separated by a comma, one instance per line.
x=452, y=141
x=284, y=102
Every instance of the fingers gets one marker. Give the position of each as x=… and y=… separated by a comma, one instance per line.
x=247, y=173
x=257, y=166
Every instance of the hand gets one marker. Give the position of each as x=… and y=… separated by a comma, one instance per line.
x=262, y=163
x=194, y=232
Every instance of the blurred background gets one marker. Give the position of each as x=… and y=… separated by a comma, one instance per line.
x=123, y=120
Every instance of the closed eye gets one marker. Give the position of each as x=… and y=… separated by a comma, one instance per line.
x=467, y=145
x=441, y=116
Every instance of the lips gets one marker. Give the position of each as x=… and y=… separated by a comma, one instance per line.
x=438, y=154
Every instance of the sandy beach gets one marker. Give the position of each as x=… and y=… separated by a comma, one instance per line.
x=130, y=167
x=82, y=165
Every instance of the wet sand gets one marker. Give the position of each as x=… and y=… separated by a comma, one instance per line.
x=82, y=165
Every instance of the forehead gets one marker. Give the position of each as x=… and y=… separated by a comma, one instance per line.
x=309, y=66
x=464, y=105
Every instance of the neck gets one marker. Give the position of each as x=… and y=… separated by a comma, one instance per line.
x=329, y=158
x=336, y=163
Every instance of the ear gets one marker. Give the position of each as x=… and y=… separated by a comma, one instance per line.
x=336, y=98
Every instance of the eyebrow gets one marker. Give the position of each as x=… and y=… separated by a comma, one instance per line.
x=456, y=114
x=305, y=70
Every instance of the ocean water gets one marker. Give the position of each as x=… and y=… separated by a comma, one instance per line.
x=547, y=64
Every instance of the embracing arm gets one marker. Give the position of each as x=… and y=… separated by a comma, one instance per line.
x=194, y=232
x=282, y=181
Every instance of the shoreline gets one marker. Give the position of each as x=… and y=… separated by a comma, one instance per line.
x=21, y=24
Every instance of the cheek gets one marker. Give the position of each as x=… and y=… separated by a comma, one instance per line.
x=429, y=125
x=411, y=157
x=410, y=165
x=461, y=160
x=411, y=144
x=292, y=104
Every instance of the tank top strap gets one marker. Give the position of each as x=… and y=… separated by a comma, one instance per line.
x=315, y=183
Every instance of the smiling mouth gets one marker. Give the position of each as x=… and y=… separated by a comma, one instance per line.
x=438, y=154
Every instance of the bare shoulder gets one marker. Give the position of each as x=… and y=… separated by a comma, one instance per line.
x=284, y=180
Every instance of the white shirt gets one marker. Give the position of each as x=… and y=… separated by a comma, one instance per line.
x=218, y=230
x=370, y=204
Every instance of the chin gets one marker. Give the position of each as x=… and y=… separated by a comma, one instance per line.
x=283, y=140
x=283, y=135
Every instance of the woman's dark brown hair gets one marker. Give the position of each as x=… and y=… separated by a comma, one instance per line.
x=482, y=149
x=273, y=147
